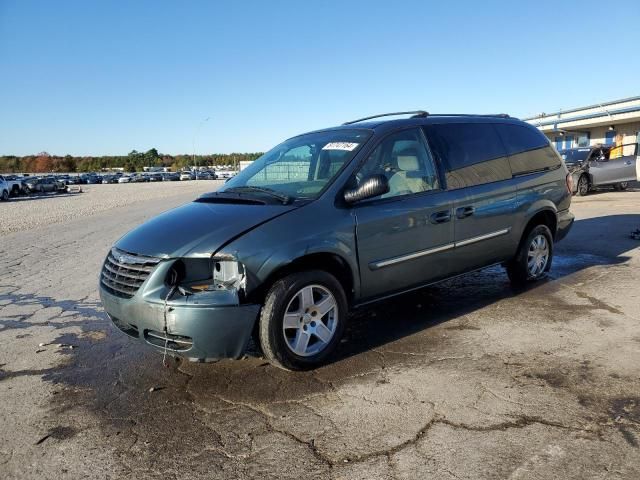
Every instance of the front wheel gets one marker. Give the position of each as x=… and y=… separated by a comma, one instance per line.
x=621, y=186
x=5, y=195
x=583, y=186
x=302, y=320
x=533, y=259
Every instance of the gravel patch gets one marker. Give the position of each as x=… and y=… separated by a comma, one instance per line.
x=28, y=213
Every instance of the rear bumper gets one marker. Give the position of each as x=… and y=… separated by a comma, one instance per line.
x=565, y=222
x=194, y=330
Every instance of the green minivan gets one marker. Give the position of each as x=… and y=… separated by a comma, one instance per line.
x=334, y=219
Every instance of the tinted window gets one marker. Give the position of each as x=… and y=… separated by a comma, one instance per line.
x=519, y=138
x=460, y=145
x=575, y=156
x=404, y=159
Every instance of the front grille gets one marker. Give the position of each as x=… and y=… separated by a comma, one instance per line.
x=123, y=273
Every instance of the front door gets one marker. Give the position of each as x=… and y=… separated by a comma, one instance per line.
x=404, y=237
x=620, y=166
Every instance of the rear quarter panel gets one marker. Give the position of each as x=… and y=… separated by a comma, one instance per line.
x=540, y=191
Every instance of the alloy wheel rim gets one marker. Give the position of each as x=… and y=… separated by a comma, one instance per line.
x=537, y=256
x=310, y=320
x=583, y=185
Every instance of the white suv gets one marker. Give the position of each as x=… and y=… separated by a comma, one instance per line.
x=4, y=189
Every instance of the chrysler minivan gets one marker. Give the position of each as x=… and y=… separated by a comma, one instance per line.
x=331, y=220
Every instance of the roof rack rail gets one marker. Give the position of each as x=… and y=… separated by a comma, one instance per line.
x=415, y=114
x=499, y=115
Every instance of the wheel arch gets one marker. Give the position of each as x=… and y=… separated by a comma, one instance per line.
x=542, y=216
x=588, y=176
x=329, y=262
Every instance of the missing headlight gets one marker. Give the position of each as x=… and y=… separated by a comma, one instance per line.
x=176, y=274
x=228, y=274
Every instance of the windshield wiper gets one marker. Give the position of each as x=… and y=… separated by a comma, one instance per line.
x=269, y=191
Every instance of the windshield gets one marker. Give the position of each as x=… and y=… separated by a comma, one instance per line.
x=302, y=166
x=575, y=156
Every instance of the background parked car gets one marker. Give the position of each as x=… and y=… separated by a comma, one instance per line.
x=125, y=179
x=90, y=178
x=14, y=185
x=4, y=189
x=187, y=176
x=601, y=165
x=106, y=179
x=155, y=177
x=74, y=180
x=170, y=176
x=44, y=184
x=139, y=178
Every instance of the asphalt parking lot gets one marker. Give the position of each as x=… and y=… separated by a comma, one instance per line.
x=466, y=379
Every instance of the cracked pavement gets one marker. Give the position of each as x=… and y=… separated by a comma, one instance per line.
x=465, y=379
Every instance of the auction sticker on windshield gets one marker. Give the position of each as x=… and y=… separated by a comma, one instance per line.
x=348, y=146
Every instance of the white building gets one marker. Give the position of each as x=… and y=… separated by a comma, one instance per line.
x=593, y=124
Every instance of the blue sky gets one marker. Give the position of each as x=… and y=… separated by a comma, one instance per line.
x=106, y=77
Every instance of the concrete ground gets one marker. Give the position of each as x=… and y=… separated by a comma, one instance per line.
x=466, y=379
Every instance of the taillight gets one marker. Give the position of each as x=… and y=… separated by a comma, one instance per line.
x=570, y=183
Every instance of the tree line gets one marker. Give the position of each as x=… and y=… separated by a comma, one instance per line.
x=133, y=162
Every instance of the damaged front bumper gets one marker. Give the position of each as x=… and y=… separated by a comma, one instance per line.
x=204, y=326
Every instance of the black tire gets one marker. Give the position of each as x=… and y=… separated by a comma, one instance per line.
x=518, y=269
x=582, y=188
x=621, y=186
x=5, y=195
x=282, y=295
x=15, y=191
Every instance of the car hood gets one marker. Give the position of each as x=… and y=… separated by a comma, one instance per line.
x=197, y=228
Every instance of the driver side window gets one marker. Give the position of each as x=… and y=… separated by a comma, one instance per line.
x=403, y=158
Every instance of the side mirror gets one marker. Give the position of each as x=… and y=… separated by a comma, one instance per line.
x=371, y=186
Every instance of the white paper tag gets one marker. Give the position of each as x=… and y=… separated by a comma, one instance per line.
x=348, y=146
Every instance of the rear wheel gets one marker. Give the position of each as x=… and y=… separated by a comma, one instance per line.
x=621, y=186
x=534, y=256
x=583, y=186
x=302, y=320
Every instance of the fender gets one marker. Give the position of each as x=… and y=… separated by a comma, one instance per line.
x=291, y=237
x=299, y=250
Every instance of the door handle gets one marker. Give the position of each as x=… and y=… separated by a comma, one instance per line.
x=464, y=212
x=440, y=217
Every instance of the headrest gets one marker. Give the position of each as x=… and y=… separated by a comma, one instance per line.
x=408, y=163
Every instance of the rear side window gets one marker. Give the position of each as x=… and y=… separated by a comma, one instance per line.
x=472, y=153
x=518, y=138
x=464, y=144
x=529, y=150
